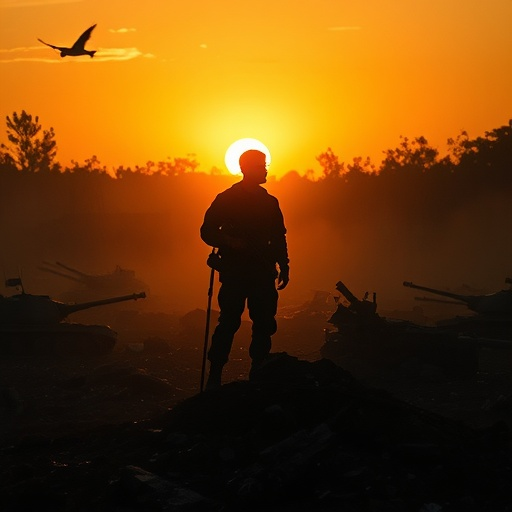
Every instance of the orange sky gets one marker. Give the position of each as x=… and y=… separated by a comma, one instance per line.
x=173, y=78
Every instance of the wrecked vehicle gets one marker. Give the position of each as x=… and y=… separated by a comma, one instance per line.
x=364, y=343
x=490, y=317
x=34, y=324
x=119, y=281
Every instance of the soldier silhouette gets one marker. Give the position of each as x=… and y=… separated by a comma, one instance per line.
x=246, y=224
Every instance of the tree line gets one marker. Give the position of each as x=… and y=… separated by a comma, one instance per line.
x=419, y=215
x=31, y=149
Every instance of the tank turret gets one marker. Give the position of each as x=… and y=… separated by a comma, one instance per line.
x=87, y=286
x=365, y=343
x=493, y=305
x=357, y=311
x=41, y=309
x=31, y=323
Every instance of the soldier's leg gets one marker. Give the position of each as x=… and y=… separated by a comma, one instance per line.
x=231, y=300
x=262, y=305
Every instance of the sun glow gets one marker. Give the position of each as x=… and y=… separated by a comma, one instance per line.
x=240, y=146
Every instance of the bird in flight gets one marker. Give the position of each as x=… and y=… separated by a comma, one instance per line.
x=78, y=48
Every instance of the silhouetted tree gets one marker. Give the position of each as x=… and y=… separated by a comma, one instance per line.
x=178, y=166
x=7, y=162
x=414, y=155
x=173, y=167
x=492, y=151
x=360, y=165
x=91, y=165
x=331, y=166
x=216, y=171
x=457, y=147
x=360, y=171
x=29, y=150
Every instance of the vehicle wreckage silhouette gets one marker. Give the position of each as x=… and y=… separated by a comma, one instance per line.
x=34, y=324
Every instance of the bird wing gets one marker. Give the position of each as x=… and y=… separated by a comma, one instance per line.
x=80, y=42
x=51, y=45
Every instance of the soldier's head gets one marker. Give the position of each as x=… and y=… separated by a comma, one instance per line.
x=253, y=164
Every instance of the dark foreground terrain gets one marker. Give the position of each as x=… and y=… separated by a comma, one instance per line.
x=130, y=431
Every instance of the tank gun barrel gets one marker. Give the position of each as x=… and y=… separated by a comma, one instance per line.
x=361, y=307
x=494, y=304
x=61, y=274
x=67, y=309
x=430, y=299
x=464, y=298
x=346, y=293
x=71, y=269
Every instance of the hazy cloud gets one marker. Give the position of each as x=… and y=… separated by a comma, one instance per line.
x=21, y=49
x=105, y=54
x=20, y=55
x=32, y=54
x=341, y=28
x=28, y=59
x=122, y=30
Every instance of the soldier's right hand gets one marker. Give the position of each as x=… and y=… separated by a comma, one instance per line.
x=283, y=279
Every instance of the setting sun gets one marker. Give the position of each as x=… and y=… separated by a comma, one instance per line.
x=240, y=146
x=307, y=85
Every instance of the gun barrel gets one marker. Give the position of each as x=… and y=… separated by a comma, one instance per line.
x=430, y=299
x=61, y=274
x=71, y=269
x=346, y=292
x=67, y=309
x=455, y=296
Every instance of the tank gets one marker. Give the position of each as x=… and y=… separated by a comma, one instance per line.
x=87, y=286
x=366, y=344
x=490, y=305
x=490, y=315
x=35, y=324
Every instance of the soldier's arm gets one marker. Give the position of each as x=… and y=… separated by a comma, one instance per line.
x=281, y=249
x=211, y=228
x=212, y=231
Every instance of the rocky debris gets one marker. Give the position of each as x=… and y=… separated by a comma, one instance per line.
x=300, y=436
x=137, y=380
x=149, y=491
x=10, y=399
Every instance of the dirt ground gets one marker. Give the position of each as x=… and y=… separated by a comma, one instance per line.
x=56, y=410
x=133, y=383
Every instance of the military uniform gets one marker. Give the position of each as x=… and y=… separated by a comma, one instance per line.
x=247, y=274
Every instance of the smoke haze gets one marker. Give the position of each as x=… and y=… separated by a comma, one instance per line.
x=370, y=235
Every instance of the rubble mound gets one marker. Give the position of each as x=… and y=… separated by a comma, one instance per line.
x=298, y=436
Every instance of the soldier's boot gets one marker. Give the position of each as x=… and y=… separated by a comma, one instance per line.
x=215, y=376
x=255, y=367
x=258, y=365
